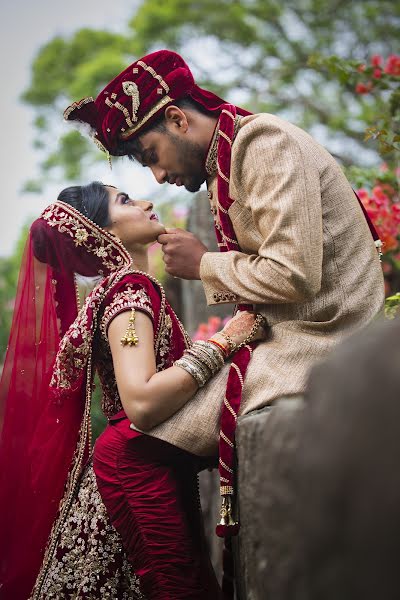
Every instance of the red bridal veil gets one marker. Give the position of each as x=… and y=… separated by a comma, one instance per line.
x=44, y=435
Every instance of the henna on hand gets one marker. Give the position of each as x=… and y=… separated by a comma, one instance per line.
x=240, y=328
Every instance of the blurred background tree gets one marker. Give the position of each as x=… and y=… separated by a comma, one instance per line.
x=254, y=52
x=376, y=82
x=9, y=270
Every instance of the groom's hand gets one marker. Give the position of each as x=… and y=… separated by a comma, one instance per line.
x=182, y=253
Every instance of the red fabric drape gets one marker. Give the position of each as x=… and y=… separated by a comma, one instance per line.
x=31, y=485
x=40, y=426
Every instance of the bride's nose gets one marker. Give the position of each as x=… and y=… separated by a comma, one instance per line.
x=146, y=205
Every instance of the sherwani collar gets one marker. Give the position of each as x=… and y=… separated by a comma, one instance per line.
x=211, y=159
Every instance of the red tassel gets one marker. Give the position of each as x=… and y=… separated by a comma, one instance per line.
x=227, y=531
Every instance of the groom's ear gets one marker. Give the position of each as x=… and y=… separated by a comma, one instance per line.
x=176, y=119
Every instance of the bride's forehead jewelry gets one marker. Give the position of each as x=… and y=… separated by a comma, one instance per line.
x=84, y=209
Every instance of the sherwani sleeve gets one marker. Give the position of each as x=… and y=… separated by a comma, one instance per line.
x=278, y=188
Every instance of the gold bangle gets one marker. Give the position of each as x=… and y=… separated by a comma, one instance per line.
x=220, y=346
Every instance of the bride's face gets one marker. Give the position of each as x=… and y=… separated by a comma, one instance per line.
x=133, y=221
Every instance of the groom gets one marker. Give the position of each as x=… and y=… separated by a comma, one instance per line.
x=295, y=242
x=300, y=249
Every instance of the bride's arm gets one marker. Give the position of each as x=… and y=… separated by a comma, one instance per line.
x=148, y=397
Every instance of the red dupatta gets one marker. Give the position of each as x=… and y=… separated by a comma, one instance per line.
x=46, y=387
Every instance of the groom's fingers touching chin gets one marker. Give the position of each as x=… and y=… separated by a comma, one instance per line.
x=163, y=238
x=171, y=235
x=174, y=230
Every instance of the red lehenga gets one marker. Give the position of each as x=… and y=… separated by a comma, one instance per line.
x=125, y=521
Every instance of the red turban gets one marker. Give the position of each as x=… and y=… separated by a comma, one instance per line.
x=137, y=96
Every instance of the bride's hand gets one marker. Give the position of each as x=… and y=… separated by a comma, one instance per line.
x=243, y=327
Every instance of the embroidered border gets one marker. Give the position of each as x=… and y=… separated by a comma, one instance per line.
x=155, y=75
x=77, y=106
x=123, y=301
x=127, y=134
x=86, y=233
x=122, y=108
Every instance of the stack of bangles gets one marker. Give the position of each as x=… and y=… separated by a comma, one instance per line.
x=204, y=358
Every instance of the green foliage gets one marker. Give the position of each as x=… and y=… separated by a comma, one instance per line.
x=98, y=420
x=9, y=270
x=71, y=150
x=377, y=85
x=392, y=306
x=61, y=66
x=256, y=50
x=67, y=69
x=262, y=48
x=376, y=82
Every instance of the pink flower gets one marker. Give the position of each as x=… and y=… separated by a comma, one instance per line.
x=392, y=66
x=376, y=60
x=384, y=212
x=363, y=194
x=387, y=268
x=377, y=74
x=363, y=88
x=202, y=332
x=361, y=68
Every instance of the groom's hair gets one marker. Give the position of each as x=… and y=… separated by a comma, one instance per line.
x=133, y=147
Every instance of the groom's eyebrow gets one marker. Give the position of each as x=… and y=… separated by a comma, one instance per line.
x=138, y=153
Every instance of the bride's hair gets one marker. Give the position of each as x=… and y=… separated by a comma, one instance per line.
x=91, y=200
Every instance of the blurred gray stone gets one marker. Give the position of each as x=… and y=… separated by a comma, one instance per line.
x=266, y=445
x=210, y=503
x=195, y=309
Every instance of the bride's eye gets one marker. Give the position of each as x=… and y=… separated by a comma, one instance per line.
x=125, y=199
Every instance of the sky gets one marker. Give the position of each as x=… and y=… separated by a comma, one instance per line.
x=25, y=26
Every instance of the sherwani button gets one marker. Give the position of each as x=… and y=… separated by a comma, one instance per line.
x=209, y=194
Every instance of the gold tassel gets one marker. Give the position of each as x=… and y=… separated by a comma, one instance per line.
x=227, y=527
x=109, y=160
x=130, y=338
x=226, y=512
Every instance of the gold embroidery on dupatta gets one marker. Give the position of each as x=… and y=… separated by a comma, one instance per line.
x=86, y=233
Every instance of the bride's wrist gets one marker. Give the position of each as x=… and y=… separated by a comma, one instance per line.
x=224, y=342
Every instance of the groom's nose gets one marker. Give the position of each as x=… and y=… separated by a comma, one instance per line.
x=160, y=174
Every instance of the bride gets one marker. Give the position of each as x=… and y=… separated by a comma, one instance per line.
x=124, y=520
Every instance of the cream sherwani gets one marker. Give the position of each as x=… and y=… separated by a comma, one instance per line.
x=308, y=260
